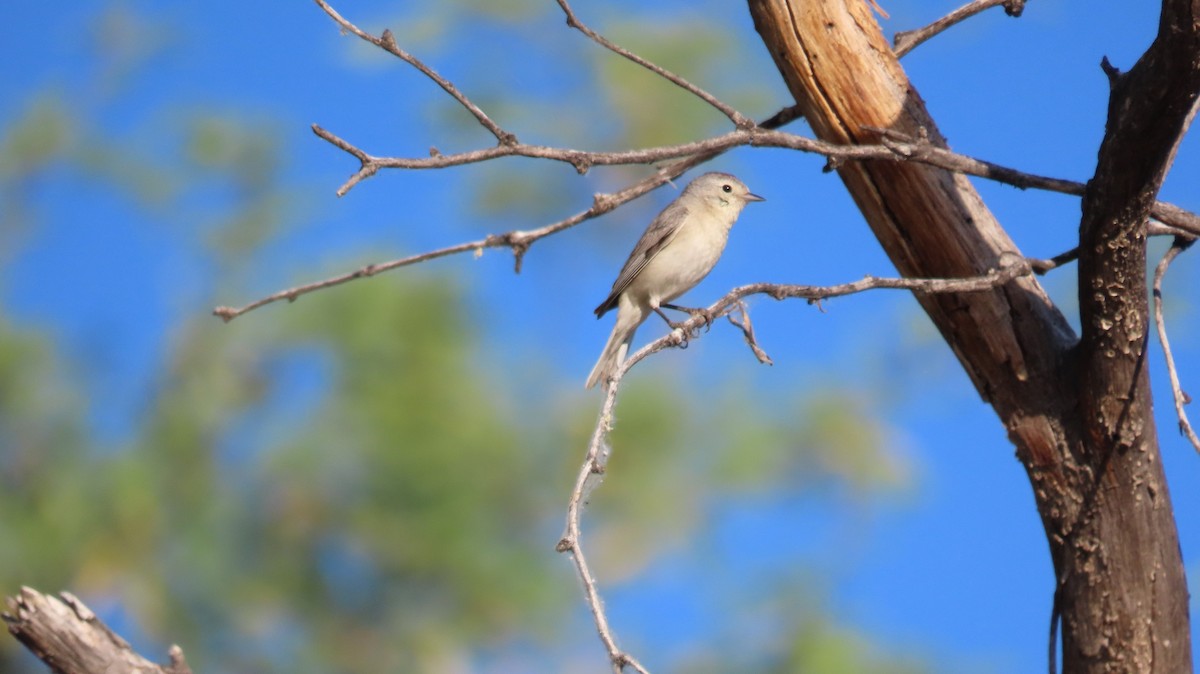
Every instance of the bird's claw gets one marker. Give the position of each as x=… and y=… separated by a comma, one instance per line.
x=706, y=314
x=693, y=313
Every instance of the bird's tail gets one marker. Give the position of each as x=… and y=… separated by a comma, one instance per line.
x=613, y=354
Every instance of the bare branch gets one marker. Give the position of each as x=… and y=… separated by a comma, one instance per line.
x=689, y=329
x=739, y=120
x=1041, y=267
x=590, y=474
x=908, y=40
x=894, y=147
x=1181, y=398
x=387, y=43
x=291, y=294
x=517, y=240
x=598, y=449
x=66, y=635
x=924, y=152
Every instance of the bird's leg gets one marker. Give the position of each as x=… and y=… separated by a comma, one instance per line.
x=673, y=324
x=683, y=344
x=705, y=313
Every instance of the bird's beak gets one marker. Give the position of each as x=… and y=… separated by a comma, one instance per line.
x=750, y=196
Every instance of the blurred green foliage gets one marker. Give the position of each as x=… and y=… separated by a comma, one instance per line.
x=342, y=485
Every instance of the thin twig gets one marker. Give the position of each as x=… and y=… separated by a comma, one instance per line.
x=387, y=43
x=590, y=474
x=740, y=317
x=908, y=40
x=739, y=120
x=893, y=146
x=516, y=240
x=1041, y=267
x=291, y=294
x=1181, y=398
x=924, y=152
x=1153, y=228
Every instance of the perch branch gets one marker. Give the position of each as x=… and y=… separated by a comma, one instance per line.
x=598, y=450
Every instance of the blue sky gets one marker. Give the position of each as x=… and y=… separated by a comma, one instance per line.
x=957, y=569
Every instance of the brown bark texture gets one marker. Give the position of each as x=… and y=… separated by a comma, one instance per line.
x=70, y=639
x=1078, y=409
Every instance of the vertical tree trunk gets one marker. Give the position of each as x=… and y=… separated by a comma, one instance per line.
x=1079, y=412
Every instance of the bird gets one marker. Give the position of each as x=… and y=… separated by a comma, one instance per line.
x=678, y=249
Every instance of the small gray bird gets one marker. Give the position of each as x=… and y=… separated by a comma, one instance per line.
x=675, y=253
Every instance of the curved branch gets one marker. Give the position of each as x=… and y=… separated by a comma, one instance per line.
x=739, y=120
x=893, y=146
x=908, y=40
x=590, y=474
x=387, y=43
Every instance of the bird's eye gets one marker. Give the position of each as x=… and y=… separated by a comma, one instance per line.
x=726, y=188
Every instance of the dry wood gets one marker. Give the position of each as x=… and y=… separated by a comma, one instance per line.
x=70, y=639
x=1087, y=442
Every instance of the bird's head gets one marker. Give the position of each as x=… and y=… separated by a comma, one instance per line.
x=722, y=191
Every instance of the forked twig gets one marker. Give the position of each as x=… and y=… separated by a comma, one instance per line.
x=740, y=317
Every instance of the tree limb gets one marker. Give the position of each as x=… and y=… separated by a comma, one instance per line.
x=70, y=639
x=596, y=457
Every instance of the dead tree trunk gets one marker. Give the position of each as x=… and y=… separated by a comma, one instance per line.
x=1078, y=410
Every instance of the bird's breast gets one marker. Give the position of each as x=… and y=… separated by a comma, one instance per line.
x=683, y=263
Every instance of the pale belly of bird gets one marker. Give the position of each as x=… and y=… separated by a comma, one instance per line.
x=679, y=267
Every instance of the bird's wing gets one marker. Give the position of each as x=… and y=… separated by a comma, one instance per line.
x=656, y=237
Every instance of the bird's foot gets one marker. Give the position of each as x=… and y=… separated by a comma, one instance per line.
x=692, y=313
